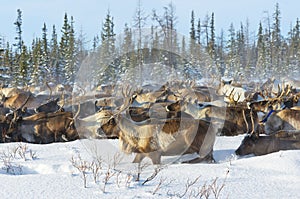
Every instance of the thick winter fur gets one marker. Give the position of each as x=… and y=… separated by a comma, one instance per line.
x=287, y=119
x=153, y=138
x=235, y=120
x=44, y=128
x=261, y=145
x=24, y=99
x=48, y=107
x=226, y=88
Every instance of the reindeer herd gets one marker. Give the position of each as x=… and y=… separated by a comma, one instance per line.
x=176, y=118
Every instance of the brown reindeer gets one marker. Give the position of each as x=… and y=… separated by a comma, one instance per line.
x=155, y=138
x=235, y=120
x=44, y=128
x=261, y=145
x=11, y=91
x=24, y=99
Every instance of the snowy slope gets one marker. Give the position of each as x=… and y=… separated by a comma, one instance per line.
x=47, y=172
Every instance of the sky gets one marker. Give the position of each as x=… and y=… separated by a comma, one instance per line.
x=89, y=14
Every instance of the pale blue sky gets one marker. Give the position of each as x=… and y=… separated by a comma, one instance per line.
x=89, y=14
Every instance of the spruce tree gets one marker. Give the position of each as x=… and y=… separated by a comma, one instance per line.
x=261, y=51
x=63, y=46
x=18, y=38
x=192, y=34
x=45, y=69
x=7, y=64
x=36, y=67
x=294, y=55
x=23, y=67
x=211, y=44
x=198, y=32
x=231, y=55
x=107, y=51
x=95, y=43
x=54, y=57
x=276, y=39
x=68, y=62
x=9, y=58
x=71, y=58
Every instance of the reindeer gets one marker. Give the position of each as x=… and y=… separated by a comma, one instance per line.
x=226, y=88
x=50, y=106
x=236, y=119
x=154, y=138
x=261, y=145
x=8, y=92
x=5, y=121
x=287, y=119
x=24, y=99
x=283, y=99
x=43, y=128
x=91, y=126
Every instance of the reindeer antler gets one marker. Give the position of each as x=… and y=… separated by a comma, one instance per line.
x=231, y=98
x=127, y=95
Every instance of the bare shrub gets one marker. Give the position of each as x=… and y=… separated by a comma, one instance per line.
x=32, y=154
x=128, y=180
x=118, y=178
x=11, y=155
x=140, y=169
x=188, y=186
x=82, y=166
x=154, y=174
x=9, y=165
x=22, y=149
x=211, y=190
x=96, y=167
x=111, y=169
x=160, y=184
x=216, y=189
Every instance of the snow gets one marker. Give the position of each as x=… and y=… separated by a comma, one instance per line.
x=47, y=172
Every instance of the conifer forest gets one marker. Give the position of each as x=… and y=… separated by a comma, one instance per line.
x=233, y=52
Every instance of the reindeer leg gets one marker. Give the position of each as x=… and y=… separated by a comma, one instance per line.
x=139, y=157
x=252, y=121
x=155, y=157
x=208, y=158
x=245, y=120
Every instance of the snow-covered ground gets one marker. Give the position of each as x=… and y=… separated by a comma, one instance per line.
x=48, y=171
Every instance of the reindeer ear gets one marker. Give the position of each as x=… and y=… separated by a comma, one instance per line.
x=222, y=82
x=255, y=136
x=112, y=121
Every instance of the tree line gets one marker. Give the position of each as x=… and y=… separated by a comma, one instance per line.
x=234, y=53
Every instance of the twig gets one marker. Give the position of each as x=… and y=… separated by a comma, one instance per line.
x=156, y=171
